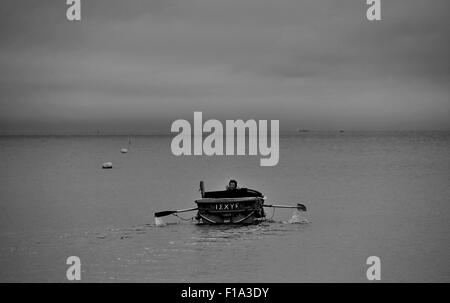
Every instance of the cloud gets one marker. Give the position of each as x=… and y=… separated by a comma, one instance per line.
x=317, y=63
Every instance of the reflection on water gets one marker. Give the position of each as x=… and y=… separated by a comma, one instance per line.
x=212, y=233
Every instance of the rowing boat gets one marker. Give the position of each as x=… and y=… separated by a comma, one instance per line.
x=239, y=206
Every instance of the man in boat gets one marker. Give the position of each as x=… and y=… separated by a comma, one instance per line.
x=232, y=185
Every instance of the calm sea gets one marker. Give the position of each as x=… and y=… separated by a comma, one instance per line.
x=367, y=194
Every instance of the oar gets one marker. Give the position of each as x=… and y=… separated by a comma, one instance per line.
x=170, y=212
x=299, y=206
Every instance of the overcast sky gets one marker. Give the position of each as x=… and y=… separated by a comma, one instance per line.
x=138, y=65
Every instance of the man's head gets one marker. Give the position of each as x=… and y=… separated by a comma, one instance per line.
x=232, y=185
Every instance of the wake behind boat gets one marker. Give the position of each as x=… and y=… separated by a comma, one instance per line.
x=231, y=206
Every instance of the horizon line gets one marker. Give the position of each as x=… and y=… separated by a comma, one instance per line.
x=299, y=132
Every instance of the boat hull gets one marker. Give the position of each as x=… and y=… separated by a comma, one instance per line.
x=245, y=210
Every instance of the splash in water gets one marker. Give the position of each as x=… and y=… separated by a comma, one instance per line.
x=297, y=217
x=159, y=222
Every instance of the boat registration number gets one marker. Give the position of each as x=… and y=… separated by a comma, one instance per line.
x=226, y=206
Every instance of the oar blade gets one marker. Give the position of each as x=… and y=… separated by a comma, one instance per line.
x=164, y=213
x=301, y=207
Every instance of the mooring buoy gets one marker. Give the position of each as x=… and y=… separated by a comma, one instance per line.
x=107, y=165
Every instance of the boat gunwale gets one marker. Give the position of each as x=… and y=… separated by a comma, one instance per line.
x=228, y=200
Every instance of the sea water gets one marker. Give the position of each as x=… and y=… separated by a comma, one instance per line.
x=367, y=194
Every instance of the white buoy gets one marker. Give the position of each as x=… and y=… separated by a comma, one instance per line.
x=124, y=150
x=107, y=165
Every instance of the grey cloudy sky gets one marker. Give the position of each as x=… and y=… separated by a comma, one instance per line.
x=138, y=65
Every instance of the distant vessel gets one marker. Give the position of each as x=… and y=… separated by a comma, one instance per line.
x=301, y=130
x=341, y=130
